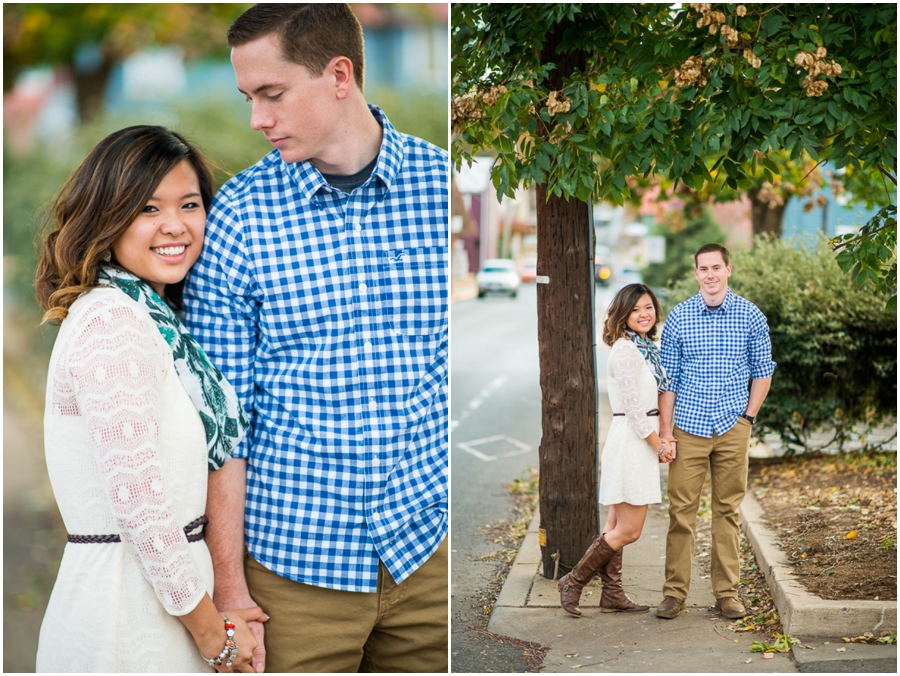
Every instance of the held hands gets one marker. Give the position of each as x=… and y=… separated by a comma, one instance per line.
x=666, y=452
x=243, y=600
x=243, y=637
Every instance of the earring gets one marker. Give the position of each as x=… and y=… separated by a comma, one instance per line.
x=107, y=257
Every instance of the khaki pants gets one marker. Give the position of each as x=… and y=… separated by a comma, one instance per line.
x=400, y=628
x=726, y=458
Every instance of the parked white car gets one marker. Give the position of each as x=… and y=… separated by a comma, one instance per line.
x=498, y=275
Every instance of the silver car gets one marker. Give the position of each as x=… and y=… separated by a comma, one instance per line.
x=498, y=275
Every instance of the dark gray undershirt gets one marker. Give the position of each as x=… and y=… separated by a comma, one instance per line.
x=713, y=308
x=349, y=183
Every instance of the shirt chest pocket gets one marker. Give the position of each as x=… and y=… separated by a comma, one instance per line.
x=414, y=289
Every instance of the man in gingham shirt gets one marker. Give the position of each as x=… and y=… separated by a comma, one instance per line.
x=321, y=293
x=712, y=345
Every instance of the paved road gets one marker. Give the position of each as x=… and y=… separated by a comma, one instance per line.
x=495, y=432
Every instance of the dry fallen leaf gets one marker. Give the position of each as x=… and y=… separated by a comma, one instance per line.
x=571, y=654
x=768, y=656
x=851, y=535
x=842, y=650
x=748, y=660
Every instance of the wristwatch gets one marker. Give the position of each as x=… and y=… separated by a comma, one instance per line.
x=751, y=418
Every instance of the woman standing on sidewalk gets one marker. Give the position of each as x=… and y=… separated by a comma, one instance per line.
x=633, y=450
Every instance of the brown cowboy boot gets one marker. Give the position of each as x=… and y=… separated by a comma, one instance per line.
x=570, y=585
x=613, y=598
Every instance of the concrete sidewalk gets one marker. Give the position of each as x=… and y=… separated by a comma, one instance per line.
x=698, y=640
x=463, y=288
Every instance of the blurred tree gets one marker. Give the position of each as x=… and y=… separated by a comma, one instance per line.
x=88, y=39
x=771, y=182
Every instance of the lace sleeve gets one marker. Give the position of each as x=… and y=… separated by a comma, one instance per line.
x=626, y=366
x=116, y=368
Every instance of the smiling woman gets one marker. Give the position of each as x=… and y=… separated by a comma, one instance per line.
x=135, y=417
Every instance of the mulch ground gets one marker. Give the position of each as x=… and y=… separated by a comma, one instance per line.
x=508, y=534
x=836, y=520
x=815, y=502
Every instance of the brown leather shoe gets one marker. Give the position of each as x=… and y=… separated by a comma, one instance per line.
x=613, y=598
x=570, y=585
x=670, y=607
x=731, y=608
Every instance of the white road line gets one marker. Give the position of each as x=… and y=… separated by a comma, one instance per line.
x=479, y=399
x=468, y=447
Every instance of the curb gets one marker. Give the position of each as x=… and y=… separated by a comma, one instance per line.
x=802, y=613
x=517, y=585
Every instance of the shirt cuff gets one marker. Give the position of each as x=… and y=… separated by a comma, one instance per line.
x=763, y=370
x=242, y=450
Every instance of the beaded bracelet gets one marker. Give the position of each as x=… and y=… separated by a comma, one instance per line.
x=229, y=652
x=663, y=449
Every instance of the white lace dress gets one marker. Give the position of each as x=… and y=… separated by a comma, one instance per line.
x=126, y=454
x=629, y=468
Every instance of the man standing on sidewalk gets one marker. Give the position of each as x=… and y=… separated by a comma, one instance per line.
x=713, y=344
x=321, y=293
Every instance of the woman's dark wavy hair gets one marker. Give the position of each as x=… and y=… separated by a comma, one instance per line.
x=621, y=307
x=98, y=202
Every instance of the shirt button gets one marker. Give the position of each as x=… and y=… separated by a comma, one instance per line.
x=368, y=346
x=372, y=404
x=363, y=286
x=357, y=227
x=376, y=462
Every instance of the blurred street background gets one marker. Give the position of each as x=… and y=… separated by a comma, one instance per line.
x=73, y=73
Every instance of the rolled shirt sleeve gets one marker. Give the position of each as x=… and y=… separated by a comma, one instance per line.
x=760, y=348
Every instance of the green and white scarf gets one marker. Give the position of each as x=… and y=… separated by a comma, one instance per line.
x=654, y=360
x=223, y=417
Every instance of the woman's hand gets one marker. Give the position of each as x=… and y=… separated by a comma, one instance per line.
x=243, y=638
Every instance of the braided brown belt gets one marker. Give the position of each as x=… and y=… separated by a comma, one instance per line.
x=650, y=413
x=102, y=539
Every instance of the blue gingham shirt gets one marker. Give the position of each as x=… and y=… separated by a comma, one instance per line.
x=711, y=356
x=328, y=314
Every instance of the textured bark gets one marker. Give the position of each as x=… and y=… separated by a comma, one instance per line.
x=765, y=219
x=565, y=336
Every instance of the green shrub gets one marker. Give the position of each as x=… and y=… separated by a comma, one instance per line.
x=835, y=345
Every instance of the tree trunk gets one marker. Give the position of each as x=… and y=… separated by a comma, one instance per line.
x=765, y=219
x=566, y=346
x=90, y=89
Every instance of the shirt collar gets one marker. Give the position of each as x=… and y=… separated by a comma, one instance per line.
x=390, y=157
x=726, y=304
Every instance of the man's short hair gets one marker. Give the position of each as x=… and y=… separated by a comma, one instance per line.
x=311, y=34
x=712, y=248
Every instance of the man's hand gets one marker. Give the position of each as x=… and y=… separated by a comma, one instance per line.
x=259, y=655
